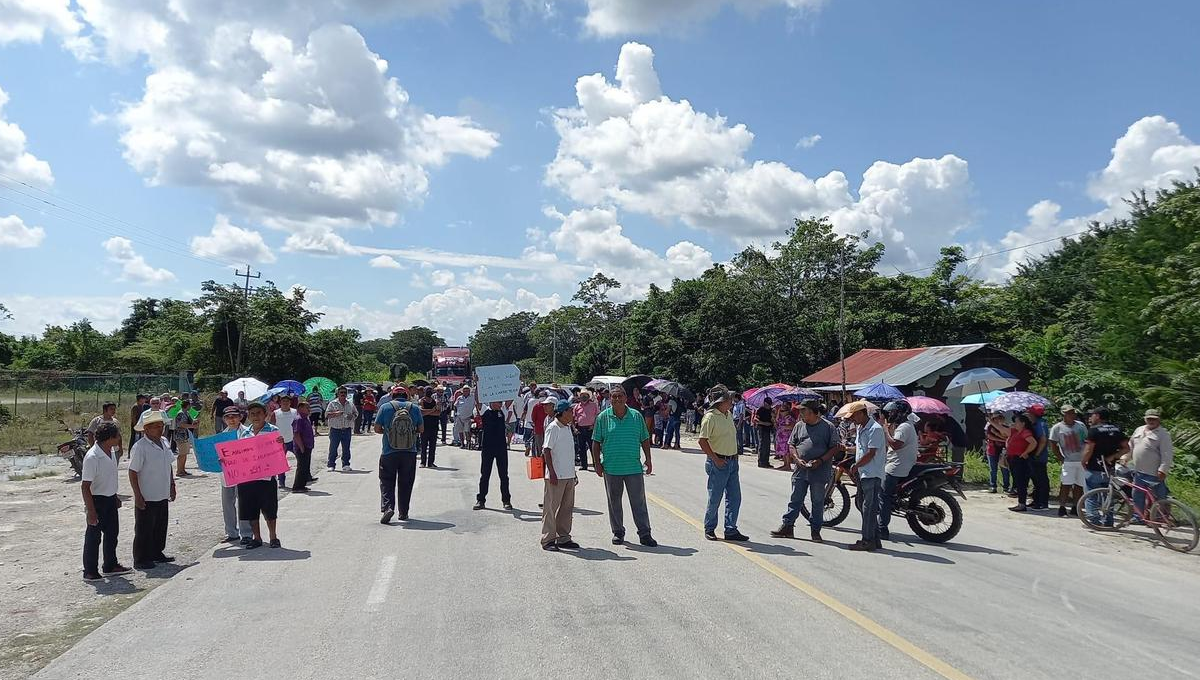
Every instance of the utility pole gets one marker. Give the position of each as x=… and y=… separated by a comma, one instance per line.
x=237, y=366
x=842, y=319
x=554, y=350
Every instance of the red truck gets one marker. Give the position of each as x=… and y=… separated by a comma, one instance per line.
x=451, y=365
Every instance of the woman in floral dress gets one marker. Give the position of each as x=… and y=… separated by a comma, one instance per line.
x=785, y=419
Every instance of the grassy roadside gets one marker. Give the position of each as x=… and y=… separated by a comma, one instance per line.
x=27, y=653
x=977, y=475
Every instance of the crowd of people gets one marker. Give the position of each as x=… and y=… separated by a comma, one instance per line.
x=609, y=431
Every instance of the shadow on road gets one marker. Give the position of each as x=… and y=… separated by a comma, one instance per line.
x=662, y=549
x=164, y=570
x=312, y=492
x=920, y=557
x=354, y=472
x=442, y=467
x=114, y=585
x=587, y=513
x=597, y=555
x=771, y=549
x=263, y=554
x=426, y=525
x=968, y=548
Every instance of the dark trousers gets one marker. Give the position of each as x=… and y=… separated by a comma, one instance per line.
x=445, y=417
x=1041, y=482
x=671, y=433
x=583, y=443
x=429, y=442
x=868, y=487
x=149, y=532
x=397, y=472
x=887, y=499
x=486, y=458
x=1021, y=471
x=303, y=469
x=766, y=435
x=339, y=436
x=106, y=529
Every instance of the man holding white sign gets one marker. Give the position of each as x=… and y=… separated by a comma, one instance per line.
x=497, y=383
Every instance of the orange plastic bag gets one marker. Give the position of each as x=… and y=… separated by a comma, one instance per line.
x=537, y=467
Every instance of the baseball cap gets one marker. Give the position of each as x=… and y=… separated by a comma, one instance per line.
x=231, y=411
x=398, y=389
x=561, y=406
x=1067, y=408
x=1037, y=409
x=1152, y=413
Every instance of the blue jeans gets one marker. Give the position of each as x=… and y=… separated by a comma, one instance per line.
x=887, y=499
x=993, y=467
x=282, y=476
x=741, y=439
x=1096, y=480
x=1159, y=489
x=749, y=435
x=869, y=488
x=814, y=483
x=339, y=436
x=723, y=481
x=672, y=432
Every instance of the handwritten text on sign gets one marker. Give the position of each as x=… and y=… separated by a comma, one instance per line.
x=246, y=460
x=498, y=383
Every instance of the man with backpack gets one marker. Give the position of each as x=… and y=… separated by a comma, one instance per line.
x=399, y=421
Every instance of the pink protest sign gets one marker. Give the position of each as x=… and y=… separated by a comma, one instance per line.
x=246, y=460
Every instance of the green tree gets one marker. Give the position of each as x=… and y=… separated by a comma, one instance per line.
x=503, y=341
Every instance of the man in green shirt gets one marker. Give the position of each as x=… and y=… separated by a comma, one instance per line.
x=718, y=440
x=617, y=437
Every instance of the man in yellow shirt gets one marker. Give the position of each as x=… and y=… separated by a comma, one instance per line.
x=718, y=440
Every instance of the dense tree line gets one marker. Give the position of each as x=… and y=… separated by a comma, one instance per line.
x=270, y=334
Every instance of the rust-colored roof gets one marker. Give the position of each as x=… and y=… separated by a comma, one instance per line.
x=864, y=365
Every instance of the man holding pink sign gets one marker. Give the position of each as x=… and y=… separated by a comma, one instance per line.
x=252, y=463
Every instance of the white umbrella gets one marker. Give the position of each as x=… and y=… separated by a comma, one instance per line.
x=253, y=387
x=980, y=380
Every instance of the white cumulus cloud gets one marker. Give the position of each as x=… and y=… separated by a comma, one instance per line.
x=808, y=141
x=385, y=262
x=609, y=18
x=31, y=20
x=15, y=160
x=133, y=266
x=32, y=313
x=227, y=241
x=1152, y=154
x=15, y=234
x=628, y=145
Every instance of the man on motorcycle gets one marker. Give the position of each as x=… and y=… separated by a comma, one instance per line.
x=813, y=443
x=901, y=438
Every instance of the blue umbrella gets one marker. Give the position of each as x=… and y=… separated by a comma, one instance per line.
x=980, y=380
x=1017, y=401
x=879, y=392
x=290, y=386
x=273, y=392
x=982, y=398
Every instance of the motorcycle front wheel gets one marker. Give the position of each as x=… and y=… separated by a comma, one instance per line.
x=837, y=506
x=934, y=515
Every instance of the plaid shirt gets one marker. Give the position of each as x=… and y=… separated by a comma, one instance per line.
x=340, y=416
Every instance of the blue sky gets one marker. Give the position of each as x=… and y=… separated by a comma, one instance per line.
x=469, y=180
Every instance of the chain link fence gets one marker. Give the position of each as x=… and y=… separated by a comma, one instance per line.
x=31, y=394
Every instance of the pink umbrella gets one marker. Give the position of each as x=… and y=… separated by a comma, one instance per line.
x=754, y=398
x=927, y=405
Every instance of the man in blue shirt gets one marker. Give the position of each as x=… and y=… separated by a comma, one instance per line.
x=869, y=457
x=398, y=461
x=739, y=417
x=1040, y=458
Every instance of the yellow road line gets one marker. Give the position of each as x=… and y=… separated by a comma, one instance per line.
x=909, y=649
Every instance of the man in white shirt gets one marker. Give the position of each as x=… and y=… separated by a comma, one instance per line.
x=282, y=418
x=1066, y=439
x=153, y=482
x=100, y=500
x=901, y=439
x=1151, y=455
x=559, y=498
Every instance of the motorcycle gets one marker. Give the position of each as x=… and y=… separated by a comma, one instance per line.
x=74, y=450
x=922, y=499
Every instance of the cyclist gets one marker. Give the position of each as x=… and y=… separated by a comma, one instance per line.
x=1105, y=444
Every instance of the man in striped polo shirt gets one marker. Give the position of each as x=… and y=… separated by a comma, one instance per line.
x=617, y=437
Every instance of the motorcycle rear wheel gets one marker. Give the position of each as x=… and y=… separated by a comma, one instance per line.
x=837, y=506
x=934, y=515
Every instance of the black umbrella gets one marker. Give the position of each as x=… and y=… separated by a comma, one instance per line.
x=674, y=389
x=635, y=382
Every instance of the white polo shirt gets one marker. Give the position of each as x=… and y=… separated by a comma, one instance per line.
x=561, y=442
x=100, y=469
x=154, y=463
x=284, y=420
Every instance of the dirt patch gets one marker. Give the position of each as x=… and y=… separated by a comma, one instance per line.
x=45, y=606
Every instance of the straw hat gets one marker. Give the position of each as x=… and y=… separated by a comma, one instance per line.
x=854, y=407
x=148, y=418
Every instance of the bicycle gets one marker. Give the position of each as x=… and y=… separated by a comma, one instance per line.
x=1172, y=520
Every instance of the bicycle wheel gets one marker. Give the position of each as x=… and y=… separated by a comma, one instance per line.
x=1175, y=524
x=1105, y=501
x=837, y=505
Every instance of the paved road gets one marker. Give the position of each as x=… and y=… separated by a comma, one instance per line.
x=462, y=593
